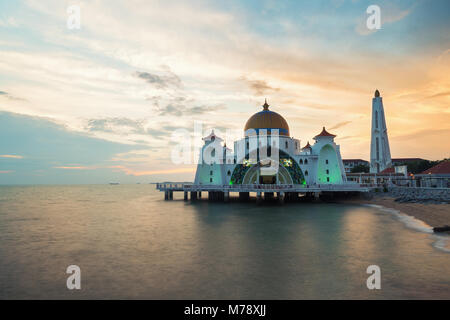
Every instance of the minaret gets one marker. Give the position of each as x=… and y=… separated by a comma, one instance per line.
x=380, y=154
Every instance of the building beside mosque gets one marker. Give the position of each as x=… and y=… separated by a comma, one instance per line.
x=255, y=159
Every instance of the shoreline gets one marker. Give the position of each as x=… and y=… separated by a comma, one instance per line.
x=435, y=215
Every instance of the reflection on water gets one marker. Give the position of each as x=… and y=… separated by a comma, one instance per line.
x=130, y=243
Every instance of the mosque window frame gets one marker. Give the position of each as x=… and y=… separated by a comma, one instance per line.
x=301, y=161
x=306, y=173
x=306, y=161
x=286, y=143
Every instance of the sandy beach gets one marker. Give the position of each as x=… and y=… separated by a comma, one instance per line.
x=435, y=215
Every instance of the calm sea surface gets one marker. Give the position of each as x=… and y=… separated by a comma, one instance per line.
x=130, y=243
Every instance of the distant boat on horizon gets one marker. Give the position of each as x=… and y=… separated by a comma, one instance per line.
x=114, y=183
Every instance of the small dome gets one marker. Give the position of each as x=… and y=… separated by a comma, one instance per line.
x=267, y=119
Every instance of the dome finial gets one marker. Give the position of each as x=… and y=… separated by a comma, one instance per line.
x=265, y=105
x=377, y=93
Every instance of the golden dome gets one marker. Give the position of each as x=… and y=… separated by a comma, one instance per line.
x=267, y=119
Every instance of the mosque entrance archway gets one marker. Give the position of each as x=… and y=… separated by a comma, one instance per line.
x=268, y=179
x=253, y=176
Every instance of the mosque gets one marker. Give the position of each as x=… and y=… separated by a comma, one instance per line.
x=255, y=160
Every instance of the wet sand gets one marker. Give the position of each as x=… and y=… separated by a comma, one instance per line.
x=435, y=215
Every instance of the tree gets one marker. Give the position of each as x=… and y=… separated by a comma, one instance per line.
x=420, y=166
x=360, y=169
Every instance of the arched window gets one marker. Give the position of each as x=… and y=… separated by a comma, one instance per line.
x=306, y=172
x=301, y=161
x=234, y=160
x=286, y=143
x=229, y=172
x=328, y=171
x=213, y=153
x=306, y=161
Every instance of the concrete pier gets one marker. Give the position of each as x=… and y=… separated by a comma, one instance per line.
x=283, y=192
x=244, y=196
x=258, y=197
x=280, y=196
x=268, y=195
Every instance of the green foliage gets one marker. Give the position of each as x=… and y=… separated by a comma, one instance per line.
x=420, y=166
x=360, y=168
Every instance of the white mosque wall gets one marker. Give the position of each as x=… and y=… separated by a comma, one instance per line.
x=330, y=169
x=312, y=162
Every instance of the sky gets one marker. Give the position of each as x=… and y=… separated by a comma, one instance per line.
x=101, y=103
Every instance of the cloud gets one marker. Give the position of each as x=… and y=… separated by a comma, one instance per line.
x=9, y=96
x=439, y=94
x=12, y=156
x=180, y=110
x=422, y=134
x=113, y=70
x=259, y=87
x=170, y=79
x=74, y=167
x=340, y=124
x=116, y=125
x=135, y=172
x=6, y=171
x=9, y=22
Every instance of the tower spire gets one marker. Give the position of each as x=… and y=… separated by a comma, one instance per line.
x=265, y=105
x=380, y=153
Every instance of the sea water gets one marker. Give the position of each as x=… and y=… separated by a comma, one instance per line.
x=131, y=244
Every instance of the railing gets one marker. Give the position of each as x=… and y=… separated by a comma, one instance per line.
x=418, y=188
x=256, y=187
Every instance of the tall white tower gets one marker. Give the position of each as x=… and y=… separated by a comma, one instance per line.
x=380, y=154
